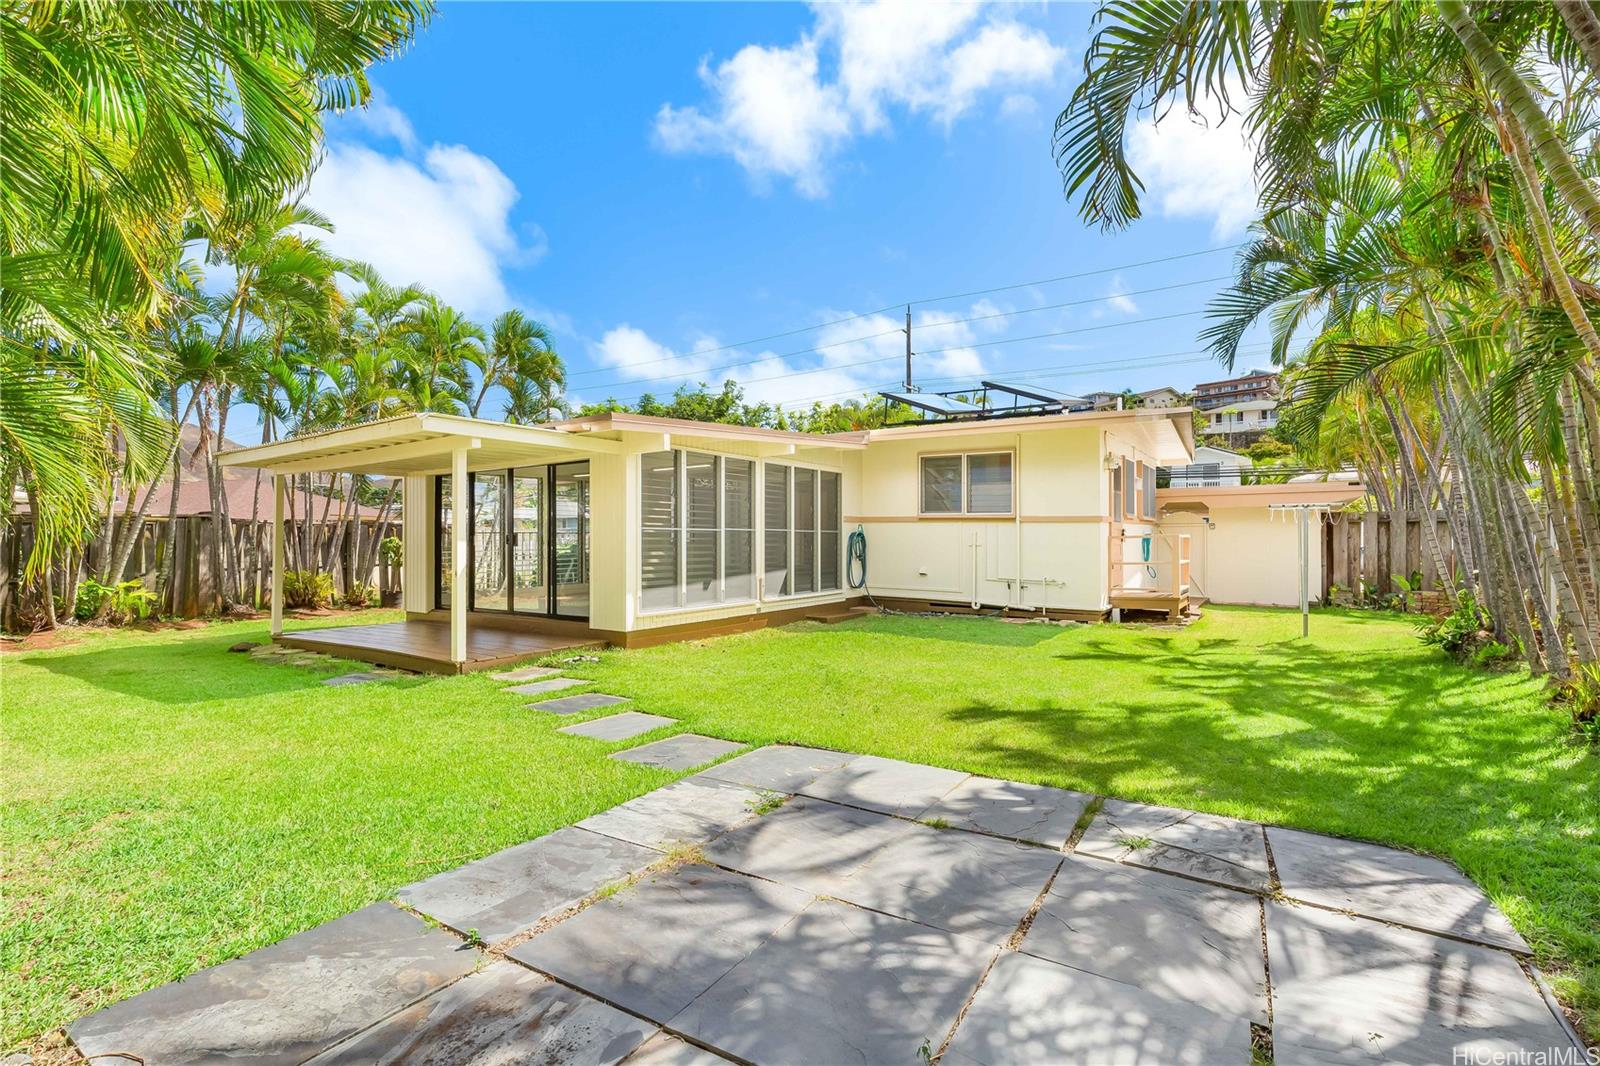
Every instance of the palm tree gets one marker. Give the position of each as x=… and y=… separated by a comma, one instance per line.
x=520, y=349
x=442, y=343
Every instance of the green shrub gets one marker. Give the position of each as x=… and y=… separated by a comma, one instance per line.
x=361, y=595
x=307, y=589
x=1463, y=631
x=390, y=550
x=119, y=604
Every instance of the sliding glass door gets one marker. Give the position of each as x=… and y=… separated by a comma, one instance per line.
x=529, y=541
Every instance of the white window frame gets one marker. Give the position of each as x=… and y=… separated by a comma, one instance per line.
x=683, y=529
x=966, y=484
x=768, y=595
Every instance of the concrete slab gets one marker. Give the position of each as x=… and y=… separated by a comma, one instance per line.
x=1030, y=1010
x=549, y=684
x=653, y=947
x=1389, y=884
x=808, y=844
x=953, y=880
x=515, y=889
x=618, y=726
x=887, y=785
x=1012, y=809
x=1180, y=939
x=526, y=673
x=287, y=1001
x=682, y=752
x=504, y=1014
x=1346, y=989
x=1209, y=847
x=779, y=767
x=839, y=985
x=691, y=811
x=664, y=1049
x=584, y=701
x=359, y=677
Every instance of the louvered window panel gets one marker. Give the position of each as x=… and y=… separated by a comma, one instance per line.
x=658, y=543
x=776, y=530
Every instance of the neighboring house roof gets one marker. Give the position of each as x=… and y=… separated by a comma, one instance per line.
x=1332, y=494
x=1247, y=376
x=1245, y=406
x=194, y=500
x=1165, y=392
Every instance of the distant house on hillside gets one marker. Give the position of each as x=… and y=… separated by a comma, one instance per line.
x=1212, y=468
x=1248, y=418
x=1165, y=396
x=1255, y=386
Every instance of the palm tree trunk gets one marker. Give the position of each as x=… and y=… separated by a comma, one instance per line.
x=1516, y=97
x=44, y=571
x=1408, y=469
x=1584, y=25
x=134, y=527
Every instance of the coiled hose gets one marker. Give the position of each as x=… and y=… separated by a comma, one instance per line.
x=856, y=554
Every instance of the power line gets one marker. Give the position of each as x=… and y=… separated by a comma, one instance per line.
x=938, y=299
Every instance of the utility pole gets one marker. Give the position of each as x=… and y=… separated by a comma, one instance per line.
x=908, y=348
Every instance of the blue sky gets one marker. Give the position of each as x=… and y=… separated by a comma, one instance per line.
x=663, y=183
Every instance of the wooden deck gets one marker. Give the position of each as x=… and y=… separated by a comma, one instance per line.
x=1172, y=601
x=425, y=646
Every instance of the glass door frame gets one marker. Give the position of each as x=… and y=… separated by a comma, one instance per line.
x=547, y=508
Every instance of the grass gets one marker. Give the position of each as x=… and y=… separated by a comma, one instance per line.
x=168, y=805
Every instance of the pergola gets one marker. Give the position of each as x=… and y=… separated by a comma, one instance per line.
x=415, y=445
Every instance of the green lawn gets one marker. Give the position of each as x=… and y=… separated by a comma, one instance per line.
x=168, y=805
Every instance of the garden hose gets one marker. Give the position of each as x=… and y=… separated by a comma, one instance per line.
x=856, y=553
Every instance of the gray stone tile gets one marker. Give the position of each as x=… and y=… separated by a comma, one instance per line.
x=1177, y=938
x=360, y=677
x=583, y=701
x=839, y=985
x=654, y=947
x=549, y=684
x=1346, y=989
x=682, y=752
x=961, y=882
x=1226, y=851
x=517, y=888
x=779, y=767
x=1031, y=1010
x=505, y=1014
x=887, y=785
x=1396, y=886
x=691, y=811
x=284, y=1002
x=526, y=673
x=664, y=1049
x=1012, y=809
x=808, y=844
x=618, y=726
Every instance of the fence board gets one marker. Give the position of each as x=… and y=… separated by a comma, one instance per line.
x=1370, y=548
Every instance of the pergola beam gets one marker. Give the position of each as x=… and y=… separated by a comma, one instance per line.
x=373, y=460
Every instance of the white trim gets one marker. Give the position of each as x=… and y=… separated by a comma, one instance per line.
x=966, y=484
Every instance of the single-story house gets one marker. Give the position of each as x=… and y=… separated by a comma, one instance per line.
x=632, y=530
x=1211, y=467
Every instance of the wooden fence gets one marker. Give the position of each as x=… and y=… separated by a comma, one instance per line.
x=1371, y=548
x=192, y=591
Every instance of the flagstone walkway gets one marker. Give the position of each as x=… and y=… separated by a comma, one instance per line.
x=794, y=905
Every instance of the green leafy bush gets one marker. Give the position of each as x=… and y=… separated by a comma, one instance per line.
x=307, y=589
x=390, y=549
x=361, y=595
x=119, y=604
x=1461, y=632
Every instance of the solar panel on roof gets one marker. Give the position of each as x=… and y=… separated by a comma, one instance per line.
x=933, y=402
x=1039, y=393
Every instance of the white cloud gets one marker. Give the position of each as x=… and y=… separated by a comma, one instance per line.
x=1117, y=296
x=778, y=112
x=850, y=359
x=439, y=216
x=1197, y=170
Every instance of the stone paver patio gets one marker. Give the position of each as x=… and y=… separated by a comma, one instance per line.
x=791, y=905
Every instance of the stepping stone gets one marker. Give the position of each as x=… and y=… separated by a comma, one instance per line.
x=682, y=752
x=778, y=767
x=584, y=701
x=807, y=844
x=664, y=1049
x=285, y=1002
x=839, y=984
x=1388, y=884
x=360, y=677
x=1347, y=989
x=502, y=1014
x=887, y=785
x=518, y=888
x=1208, y=847
x=1011, y=809
x=618, y=726
x=549, y=684
x=952, y=880
x=652, y=948
x=1180, y=939
x=526, y=673
x=689, y=811
x=1030, y=1010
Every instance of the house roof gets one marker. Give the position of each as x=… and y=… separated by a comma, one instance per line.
x=1171, y=427
x=1250, y=375
x=1245, y=405
x=1327, y=493
x=626, y=422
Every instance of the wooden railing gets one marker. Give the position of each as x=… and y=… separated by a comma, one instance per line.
x=1172, y=573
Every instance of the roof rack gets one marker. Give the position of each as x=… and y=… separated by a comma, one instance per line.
x=1012, y=401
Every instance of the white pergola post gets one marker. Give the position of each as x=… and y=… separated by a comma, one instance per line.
x=460, y=521
x=277, y=554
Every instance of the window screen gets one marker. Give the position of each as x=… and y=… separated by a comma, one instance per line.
x=775, y=538
x=738, y=532
x=941, y=484
x=989, y=483
x=658, y=543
